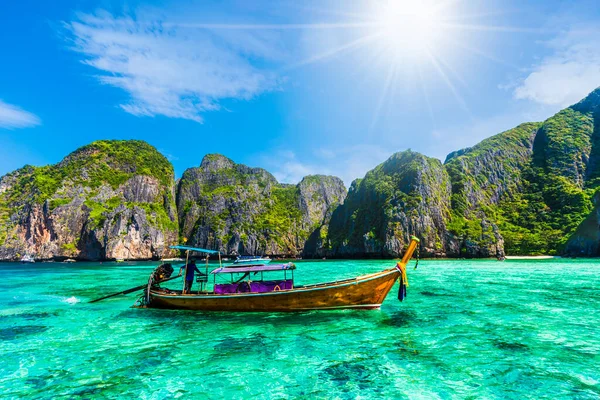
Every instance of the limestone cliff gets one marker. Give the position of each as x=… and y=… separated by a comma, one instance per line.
x=107, y=200
x=530, y=190
x=242, y=210
x=409, y=194
x=553, y=212
x=481, y=177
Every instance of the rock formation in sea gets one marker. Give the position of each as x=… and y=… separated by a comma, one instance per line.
x=242, y=210
x=107, y=200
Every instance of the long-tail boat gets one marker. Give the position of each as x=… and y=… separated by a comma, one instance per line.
x=247, y=290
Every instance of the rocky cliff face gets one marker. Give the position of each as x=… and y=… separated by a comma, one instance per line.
x=553, y=212
x=481, y=177
x=585, y=242
x=319, y=196
x=409, y=194
x=530, y=190
x=242, y=210
x=107, y=200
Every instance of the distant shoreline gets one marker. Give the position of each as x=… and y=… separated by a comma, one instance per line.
x=425, y=259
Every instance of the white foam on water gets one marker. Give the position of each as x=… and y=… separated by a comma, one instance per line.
x=71, y=300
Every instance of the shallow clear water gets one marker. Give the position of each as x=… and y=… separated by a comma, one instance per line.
x=468, y=329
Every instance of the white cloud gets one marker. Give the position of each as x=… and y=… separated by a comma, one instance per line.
x=569, y=73
x=13, y=117
x=171, y=70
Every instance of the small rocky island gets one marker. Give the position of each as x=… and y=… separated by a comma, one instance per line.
x=530, y=190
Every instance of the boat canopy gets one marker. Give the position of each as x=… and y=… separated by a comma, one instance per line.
x=253, y=268
x=199, y=250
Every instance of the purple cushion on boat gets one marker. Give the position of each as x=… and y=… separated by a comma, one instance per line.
x=256, y=287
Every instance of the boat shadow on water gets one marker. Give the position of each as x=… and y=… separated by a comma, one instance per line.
x=400, y=318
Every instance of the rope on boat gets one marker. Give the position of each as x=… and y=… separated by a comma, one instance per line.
x=403, y=281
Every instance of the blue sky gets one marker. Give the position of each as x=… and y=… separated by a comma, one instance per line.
x=324, y=86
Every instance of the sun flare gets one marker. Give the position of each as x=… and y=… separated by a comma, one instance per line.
x=403, y=45
x=409, y=29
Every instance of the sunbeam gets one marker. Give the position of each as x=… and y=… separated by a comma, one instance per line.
x=483, y=54
x=426, y=97
x=452, y=71
x=272, y=27
x=446, y=80
x=491, y=28
x=386, y=88
x=333, y=52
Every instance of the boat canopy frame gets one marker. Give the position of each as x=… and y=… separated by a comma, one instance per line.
x=189, y=249
x=254, y=268
x=231, y=269
x=196, y=249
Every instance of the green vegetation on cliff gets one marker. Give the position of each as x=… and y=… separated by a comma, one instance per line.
x=282, y=214
x=535, y=182
x=483, y=175
x=387, y=205
x=110, y=162
x=556, y=197
x=245, y=210
x=99, y=182
x=490, y=169
x=528, y=190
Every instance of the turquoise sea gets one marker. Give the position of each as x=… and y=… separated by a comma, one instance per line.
x=468, y=329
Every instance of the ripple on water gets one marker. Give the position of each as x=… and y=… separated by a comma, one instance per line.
x=29, y=316
x=341, y=373
x=434, y=294
x=231, y=346
x=18, y=332
x=510, y=346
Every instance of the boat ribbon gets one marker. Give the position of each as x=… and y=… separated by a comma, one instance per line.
x=403, y=281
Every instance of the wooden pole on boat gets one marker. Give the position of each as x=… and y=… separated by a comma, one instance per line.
x=187, y=256
x=130, y=290
x=206, y=271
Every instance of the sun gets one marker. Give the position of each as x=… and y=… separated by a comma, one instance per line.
x=410, y=29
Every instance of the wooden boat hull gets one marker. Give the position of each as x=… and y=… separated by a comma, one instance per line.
x=365, y=292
